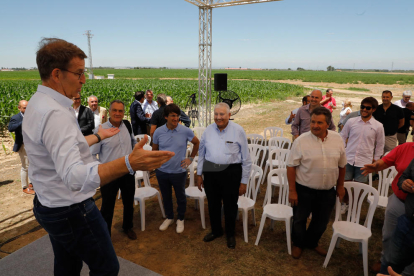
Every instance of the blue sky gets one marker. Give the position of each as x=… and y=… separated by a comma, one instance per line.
x=283, y=34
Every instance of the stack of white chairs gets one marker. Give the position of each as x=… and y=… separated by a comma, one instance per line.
x=257, y=153
x=351, y=229
x=247, y=201
x=256, y=139
x=281, y=210
x=276, y=143
x=193, y=192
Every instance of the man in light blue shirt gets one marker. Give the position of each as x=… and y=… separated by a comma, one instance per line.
x=62, y=170
x=224, y=160
x=174, y=137
x=108, y=150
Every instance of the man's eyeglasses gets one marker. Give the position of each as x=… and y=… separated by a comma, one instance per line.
x=77, y=99
x=365, y=107
x=78, y=74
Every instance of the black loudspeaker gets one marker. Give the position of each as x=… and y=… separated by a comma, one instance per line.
x=220, y=82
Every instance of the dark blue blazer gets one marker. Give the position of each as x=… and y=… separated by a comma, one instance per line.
x=15, y=126
x=138, y=120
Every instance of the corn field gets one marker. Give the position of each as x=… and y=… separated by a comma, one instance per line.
x=13, y=91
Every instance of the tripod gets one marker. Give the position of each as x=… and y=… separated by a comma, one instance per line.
x=191, y=108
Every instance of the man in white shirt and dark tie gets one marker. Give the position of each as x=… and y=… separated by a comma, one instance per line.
x=62, y=169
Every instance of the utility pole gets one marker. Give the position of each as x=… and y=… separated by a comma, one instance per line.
x=90, y=35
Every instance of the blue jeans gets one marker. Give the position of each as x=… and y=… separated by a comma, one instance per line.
x=78, y=233
x=401, y=248
x=355, y=173
x=166, y=181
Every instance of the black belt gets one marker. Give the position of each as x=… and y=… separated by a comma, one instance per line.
x=214, y=167
x=36, y=200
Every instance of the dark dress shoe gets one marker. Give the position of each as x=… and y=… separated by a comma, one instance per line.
x=210, y=237
x=231, y=242
x=131, y=234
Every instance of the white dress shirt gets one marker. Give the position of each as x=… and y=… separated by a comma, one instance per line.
x=317, y=161
x=77, y=111
x=228, y=146
x=114, y=147
x=61, y=166
x=149, y=107
x=401, y=103
x=97, y=117
x=365, y=141
x=294, y=111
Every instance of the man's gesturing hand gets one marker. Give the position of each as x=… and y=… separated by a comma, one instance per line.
x=107, y=132
x=145, y=160
x=200, y=182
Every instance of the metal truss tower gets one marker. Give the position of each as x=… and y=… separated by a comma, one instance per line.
x=90, y=35
x=204, y=51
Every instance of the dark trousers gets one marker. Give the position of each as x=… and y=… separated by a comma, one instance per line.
x=222, y=186
x=167, y=181
x=109, y=194
x=78, y=233
x=401, y=250
x=318, y=202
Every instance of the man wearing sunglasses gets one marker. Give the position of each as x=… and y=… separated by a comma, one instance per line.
x=391, y=117
x=364, y=141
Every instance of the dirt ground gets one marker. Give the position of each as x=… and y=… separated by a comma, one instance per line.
x=169, y=253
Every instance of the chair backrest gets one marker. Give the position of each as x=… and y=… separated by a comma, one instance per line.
x=256, y=151
x=192, y=170
x=141, y=136
x=255, y=139
x=199, y=131
x=357, y=193
x=279, y=155
x=270, y=132
x=283, y=197
x=279, y=142
x=386, y=177
x=254, y=182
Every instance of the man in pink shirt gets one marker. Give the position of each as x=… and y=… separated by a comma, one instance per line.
x=328, y=101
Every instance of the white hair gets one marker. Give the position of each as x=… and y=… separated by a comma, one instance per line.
x=222, y=104
x=407, y=93
x=92, y=96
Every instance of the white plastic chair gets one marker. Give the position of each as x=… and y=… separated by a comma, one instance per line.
x=385, y=179
x=256, y=139
x=141, y=136
x=279, y=160
x=270, y=132
x=247, y=201
x=193, y=192
x=351, y=229
x=255, y=150
x=198, y=131
x=280, y=211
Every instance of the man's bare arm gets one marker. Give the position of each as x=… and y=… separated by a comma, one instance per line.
x=291, y=175
x=401, y=123
x=103, y=133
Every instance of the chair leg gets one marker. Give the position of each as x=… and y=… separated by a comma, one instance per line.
x=272, y=224
x=330, y=250
x=203, y=219
x=265, y=199
x=245, y=218
x=264, y=174
x=142, y=213
x=262, y=222
x=365, y=256
x=162, y=207
x=338, y=242
x=288, y=238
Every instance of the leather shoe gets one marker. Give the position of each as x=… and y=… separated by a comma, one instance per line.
x=29, y=191
x=131, y=234
x=211, y=237
x=296, y=252
x=376, y=267
x=231, y=242
x=320, y=251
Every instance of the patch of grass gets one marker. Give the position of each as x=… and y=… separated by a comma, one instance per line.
x=357, y=89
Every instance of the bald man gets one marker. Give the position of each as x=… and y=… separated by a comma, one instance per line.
x=302, y=119
x=15, y=126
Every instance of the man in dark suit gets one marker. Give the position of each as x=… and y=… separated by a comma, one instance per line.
x=15, y=126
x=84, y=116
x=139, y=119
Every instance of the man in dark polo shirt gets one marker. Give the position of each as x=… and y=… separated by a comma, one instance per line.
x=402, y=133
x=391, y=117
x=157, y=118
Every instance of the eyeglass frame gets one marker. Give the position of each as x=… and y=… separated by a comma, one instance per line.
x=79, y=74
x=365, y=107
